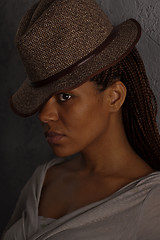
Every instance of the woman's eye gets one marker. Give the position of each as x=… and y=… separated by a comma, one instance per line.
x=63, y=97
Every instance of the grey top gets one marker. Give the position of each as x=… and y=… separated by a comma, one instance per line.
x=43, y=221
x=131, y=213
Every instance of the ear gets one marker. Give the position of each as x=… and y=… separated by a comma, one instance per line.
x=116, y=94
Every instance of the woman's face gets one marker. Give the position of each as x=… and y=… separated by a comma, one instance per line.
x=80, y=115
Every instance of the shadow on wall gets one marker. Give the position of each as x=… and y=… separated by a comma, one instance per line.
x=23, y=146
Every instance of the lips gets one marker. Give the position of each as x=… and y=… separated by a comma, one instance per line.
x=53, y=134
x=53, y=137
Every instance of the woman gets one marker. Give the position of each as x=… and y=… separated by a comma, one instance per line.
x=88, y=85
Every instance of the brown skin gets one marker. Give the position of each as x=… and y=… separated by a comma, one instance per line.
x=92, y=123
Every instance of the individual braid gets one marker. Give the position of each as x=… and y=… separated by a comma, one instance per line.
x=140, y=107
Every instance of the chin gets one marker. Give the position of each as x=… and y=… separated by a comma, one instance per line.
x=60, y=152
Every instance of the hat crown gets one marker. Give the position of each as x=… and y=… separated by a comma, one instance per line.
x=53, y=35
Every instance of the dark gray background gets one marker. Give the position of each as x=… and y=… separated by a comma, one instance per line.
x=23, y=145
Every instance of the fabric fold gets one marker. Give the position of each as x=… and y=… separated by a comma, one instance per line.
x=116, y=216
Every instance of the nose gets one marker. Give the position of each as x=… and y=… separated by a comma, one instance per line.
x=49, y=111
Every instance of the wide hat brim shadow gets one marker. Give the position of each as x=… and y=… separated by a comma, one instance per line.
x=28, y=100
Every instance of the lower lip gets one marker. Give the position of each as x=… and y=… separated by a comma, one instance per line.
x=54, y=139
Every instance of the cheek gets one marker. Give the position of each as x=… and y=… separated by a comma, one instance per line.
x=86, y=121
x=83, y=125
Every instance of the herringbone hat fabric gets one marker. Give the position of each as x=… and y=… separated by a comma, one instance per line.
x=62, y=44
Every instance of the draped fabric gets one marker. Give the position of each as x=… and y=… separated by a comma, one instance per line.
x=131, y=213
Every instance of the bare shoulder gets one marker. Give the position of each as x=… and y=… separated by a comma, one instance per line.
x=67, y=167
x=58, y=190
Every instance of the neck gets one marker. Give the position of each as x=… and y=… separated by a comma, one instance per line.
x=111, y=153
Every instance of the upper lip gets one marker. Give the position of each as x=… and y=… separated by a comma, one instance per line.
x=52, y=134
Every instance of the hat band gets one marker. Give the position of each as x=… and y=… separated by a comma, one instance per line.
x=68, y=70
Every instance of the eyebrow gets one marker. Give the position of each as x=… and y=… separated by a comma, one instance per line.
x=65, y=91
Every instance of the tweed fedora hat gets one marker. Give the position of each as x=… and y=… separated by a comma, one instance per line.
x=62, y=44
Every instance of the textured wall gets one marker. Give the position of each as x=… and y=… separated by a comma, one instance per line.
x=147, y=13
x=23, y=145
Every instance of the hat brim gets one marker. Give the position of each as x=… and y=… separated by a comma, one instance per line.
x=27, y=100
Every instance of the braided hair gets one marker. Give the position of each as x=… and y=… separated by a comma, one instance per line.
x=140, y=106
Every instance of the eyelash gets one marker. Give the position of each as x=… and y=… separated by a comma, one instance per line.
x=64, y=94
